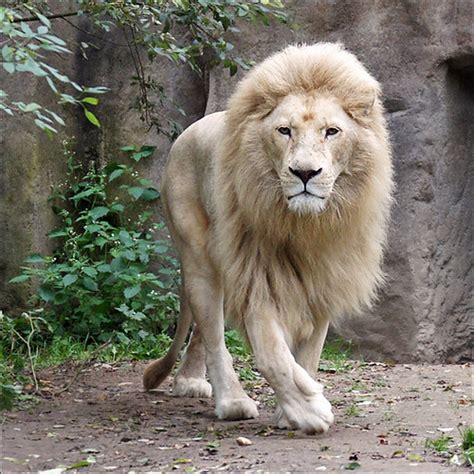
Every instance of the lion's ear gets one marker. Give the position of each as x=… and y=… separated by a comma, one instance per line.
x=361, y=106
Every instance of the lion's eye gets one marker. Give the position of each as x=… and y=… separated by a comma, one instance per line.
x=285, y=131
x=332, y=131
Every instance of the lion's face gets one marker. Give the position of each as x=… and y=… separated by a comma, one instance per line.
x=310, y=141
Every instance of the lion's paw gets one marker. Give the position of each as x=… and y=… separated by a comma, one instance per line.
x=236, y=409
x=311, y=415
x=191, y=387
x=280, y=420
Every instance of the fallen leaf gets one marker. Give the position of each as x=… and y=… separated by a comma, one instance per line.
x=182, y=461
x=398, y=454
x=351, y=466
x=415, y=457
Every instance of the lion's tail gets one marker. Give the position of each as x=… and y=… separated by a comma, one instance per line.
x=158, y=370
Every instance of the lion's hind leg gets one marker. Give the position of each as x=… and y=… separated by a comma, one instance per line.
x=190, y=380
x=204, y=293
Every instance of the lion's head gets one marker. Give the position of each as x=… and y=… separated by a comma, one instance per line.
x=309, y=139
x=309, y=121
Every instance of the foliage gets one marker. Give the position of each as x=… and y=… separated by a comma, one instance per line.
x=440, y=445
x=25, y=51
x=336, y=356
x=182, y=31
x=459, y=453
x=236, y=345
x=18, y=339
x=99, y=284
x=468, y=445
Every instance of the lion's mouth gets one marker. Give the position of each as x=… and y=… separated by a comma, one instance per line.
x=306, y=194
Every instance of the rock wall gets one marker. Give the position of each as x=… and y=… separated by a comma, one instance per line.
x=421, y=51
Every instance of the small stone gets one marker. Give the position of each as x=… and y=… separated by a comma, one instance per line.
x=241, y=441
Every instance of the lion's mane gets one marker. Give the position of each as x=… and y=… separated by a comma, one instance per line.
x=301, y=266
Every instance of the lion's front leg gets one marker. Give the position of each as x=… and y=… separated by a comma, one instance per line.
x=300, y=397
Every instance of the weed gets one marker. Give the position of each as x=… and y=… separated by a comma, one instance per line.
x=353, y=410
x=440, y=445
x=358, y=387
x=236, y=345
x=336, y=357
x=468, y=445
x=246, y=373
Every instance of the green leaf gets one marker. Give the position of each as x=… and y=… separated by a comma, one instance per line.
x=93, y=228
x=20, y=279
x=55, y=40
x=131, y=291
x=46, y=293
x=84, y=194
x=42, y=30
x=89, y=284
x=104, y=268
x=144, y=152
x=44, y=126
x=150, y=194
x=90, y=100
x=91, y=271
x=69, y=279
x=58, y=233
x=57, y=118
x=128, y=148
x=32, y=107
x=98, y=212
x=115, y=174
x=43, y=19
x=51, y=85
x=125, y=238
x=136, y=191
x=92, y=118
x=117, y=264
x=129, y=255
x=79, y=464
x=35, y=258
x=9, y=67
x=117, y=207
x=351, y=466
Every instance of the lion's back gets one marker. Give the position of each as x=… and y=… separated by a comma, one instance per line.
x=187, y=180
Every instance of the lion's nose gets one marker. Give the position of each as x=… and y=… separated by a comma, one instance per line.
x=305, y=175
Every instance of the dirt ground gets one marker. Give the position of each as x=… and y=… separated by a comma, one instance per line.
x=105, y=422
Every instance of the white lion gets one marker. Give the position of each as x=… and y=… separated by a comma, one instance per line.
x=278, y=208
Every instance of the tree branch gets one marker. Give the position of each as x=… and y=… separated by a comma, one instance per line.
x=49, y=17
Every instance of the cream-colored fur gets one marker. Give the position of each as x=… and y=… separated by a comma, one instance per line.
x=278, y=208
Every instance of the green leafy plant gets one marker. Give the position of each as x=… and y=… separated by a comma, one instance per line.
x=24, y=50
x=468, y=445
x=110, y=277
x=20, y=338
x=336, y=356
x=441, y=445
